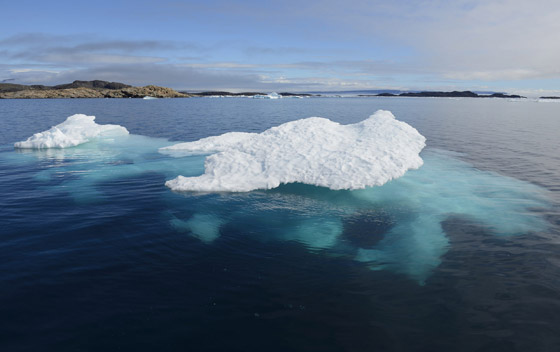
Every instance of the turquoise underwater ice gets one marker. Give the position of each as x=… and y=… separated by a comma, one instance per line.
x=404, y=215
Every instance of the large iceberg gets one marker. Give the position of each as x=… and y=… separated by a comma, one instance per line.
x=76, y=130
x=400, y=226
x=313, y=151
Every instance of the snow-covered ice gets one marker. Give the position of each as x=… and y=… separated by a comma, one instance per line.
x=76, y=130
x=313, y=151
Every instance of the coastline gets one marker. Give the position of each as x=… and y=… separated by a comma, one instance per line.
x=104, y=89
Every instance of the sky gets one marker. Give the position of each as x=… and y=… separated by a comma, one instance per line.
x=493, y=45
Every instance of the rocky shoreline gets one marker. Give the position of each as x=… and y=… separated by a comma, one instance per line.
x=104, y=89
x=454, y=94
x=86, y=89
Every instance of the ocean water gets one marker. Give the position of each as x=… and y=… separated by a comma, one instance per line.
x=462, y=254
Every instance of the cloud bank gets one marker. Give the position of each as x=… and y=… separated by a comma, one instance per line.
x=300, y=46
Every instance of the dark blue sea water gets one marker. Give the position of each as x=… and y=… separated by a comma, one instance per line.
x=96, y=254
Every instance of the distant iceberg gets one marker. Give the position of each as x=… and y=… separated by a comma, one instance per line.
x=76, y=130
x=313, y=151
x=272, y=95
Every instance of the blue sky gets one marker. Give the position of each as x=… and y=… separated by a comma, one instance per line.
x=507, y=45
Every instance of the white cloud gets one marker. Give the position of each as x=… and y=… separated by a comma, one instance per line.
x=96, y=59
x=27, y=70
x=485, y=40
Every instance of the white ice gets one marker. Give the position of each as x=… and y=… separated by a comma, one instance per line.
x=272, y=95
x=313, y=151
x=77, y=129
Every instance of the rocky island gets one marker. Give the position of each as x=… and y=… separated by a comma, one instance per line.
x=86, y=89
x=454, y=94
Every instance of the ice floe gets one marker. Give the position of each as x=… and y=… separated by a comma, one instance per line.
x=313, y=151
x=76, y=130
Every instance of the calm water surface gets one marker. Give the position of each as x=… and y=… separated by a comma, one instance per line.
x=461, y=255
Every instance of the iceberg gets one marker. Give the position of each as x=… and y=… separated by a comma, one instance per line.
x=272, y=95
x=314, y=151
x=77, y=129
x=400, y=226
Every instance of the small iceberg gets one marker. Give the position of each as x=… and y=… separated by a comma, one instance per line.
x=76, y=130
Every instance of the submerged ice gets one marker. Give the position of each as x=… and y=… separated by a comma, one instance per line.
x=205, y=227
x=77, y=129
x=396, y=226
x=313, y=151
x=83, y=155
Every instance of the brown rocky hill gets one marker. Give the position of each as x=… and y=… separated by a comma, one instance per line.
x=86, y=89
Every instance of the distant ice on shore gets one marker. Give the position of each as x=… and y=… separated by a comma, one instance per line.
x=272, y=95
